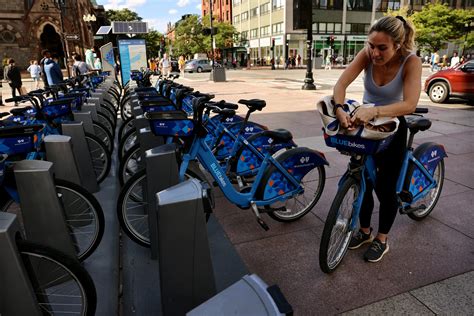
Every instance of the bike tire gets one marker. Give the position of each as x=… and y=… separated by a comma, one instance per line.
x=102, y=133
x=47, y=268
x=130, y=164
x=109, y=112
x=105, y=120
x=100, y=156
x=125, y=127
x=432, y=197
x=128, y=140
x=132, y=209
x=332, y=250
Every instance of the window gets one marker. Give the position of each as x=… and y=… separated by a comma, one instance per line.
x=253, y=33
x=227, y=15
x=265, y=8
x=277, y=28
x=265, y=30
x=244, y=35
x=254, y=12
x=236, y=19
x=244, y=16
x=332, y=4
x=330, y=28
x=235, y=2
x=322, y=27
x=357, y=28
x=383, y=5
x=278, y=4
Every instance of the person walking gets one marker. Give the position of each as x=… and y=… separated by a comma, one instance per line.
x=392, y=82
x=35, y=71
x=454, y=60
x=46, y=55
x=54, y=75
x=298, y=61
x=13, y=77
x=328, y=62
x=165, y=65
x=181, y=64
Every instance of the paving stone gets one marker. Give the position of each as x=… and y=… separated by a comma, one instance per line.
x=403, y=304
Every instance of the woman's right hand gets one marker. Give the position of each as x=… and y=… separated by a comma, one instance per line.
x=343, y=118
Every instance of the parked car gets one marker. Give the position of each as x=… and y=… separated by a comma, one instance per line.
x=453, y=82
x=198, y=65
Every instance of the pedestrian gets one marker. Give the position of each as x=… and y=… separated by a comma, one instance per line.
x=152, y=64
x=13, y=77
x=454, y=60
x=298, y=60
x=165, y=65
x=46, y=55
x=89, y=55
x=293, y=62
x=435, y=62
x=181, y=64
x=392, y=82
x=80, y=67
x=35, y=72
x=54, y=75
x=328, y=62
x=97, y=64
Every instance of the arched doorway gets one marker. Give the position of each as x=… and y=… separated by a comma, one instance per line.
x=51, y=41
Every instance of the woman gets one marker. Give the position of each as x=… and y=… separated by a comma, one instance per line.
x=393, y=83
x=181, y=64
x=35, y=71
x=13, y=77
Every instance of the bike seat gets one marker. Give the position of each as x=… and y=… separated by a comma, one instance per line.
x=20, y=111
x=416, y=124
x=279, y=134
x=224, y=105
x=19, y=130
x=254, y=104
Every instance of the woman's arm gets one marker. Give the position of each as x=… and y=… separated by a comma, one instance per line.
x=411, y=95
x=348, y=76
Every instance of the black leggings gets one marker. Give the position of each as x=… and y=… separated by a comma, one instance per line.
x=388, y=164
x=14, y=89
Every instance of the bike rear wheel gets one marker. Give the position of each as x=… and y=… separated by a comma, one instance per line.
x=337, y=231
x=101, y=160
x=60, y=284
x=130, y=164
x=432, y=197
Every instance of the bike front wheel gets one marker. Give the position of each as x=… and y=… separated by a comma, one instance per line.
x=337, y=231
x=60, y=284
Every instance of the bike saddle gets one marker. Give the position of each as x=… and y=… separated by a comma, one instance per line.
x=254, y=104
x=20, y=111
x=224, y=105
x=279, y=134
x=416, y=124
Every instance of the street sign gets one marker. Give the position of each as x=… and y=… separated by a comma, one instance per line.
x=72, y=37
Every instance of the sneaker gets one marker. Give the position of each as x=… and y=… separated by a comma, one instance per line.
x=360, y=238
x=376, y=251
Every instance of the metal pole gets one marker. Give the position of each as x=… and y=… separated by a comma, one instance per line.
x=63, y=40
x=309, y=81
x=212, y=38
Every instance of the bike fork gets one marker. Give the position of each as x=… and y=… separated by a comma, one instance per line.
x=260, y=221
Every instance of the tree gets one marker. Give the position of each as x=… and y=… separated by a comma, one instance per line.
x=122, y=15
x=189, y=39
x=225, y=36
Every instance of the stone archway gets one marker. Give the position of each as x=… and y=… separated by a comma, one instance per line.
x=51, y=40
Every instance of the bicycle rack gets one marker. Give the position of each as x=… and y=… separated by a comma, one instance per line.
x=184, y=260
x=59, y=152
x=158, y=179
x=86, y=118
x=16, y=293
x=90, y=107
x=43, y=214
x=83, y=158
x=95, y=100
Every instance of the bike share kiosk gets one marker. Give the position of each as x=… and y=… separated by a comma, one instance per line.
x=43, y=215
x=16, y=293
x=186, y=272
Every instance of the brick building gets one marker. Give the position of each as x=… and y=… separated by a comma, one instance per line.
x=221, y=9
x=29, y=26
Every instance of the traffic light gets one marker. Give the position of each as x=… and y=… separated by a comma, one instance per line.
x=332, y=40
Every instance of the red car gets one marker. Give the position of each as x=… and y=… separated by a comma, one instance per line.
x=457, y=82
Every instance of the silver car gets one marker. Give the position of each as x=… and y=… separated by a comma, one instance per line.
x=198, y=65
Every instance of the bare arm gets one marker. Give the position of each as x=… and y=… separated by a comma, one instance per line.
x=348, y=76
x=411, y=95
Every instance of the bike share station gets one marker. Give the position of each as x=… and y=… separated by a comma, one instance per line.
x=191, y=267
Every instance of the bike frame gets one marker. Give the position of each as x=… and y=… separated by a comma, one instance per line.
x=200, y=150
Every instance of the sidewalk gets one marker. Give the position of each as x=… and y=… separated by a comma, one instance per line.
x=430, y=266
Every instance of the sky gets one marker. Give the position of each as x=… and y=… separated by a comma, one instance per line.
x=156, y=12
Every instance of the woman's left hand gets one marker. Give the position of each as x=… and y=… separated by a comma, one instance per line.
x=363, y=115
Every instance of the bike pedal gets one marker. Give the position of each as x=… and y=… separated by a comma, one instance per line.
x=411, y=210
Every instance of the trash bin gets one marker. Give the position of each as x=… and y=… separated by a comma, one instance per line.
x=318, y=62
x=249, y=296
x=218, y=74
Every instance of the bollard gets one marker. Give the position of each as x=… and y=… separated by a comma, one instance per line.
x=161, y=173
x=16, y=293
x=186, y=273
x=83, y=158
x=43, y=214
x=86, y=118
x=59, y=151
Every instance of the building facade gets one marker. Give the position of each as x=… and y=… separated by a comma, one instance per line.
x=221, y=9
x=29, y=26
x=264, y=22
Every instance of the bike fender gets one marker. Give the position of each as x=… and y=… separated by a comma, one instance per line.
x=298, y=162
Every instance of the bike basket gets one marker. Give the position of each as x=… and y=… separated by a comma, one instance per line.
x=15, y=140
x=172, y=123
x=355, y=144
x=57, y=108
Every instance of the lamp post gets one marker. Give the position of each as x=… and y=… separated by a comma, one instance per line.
x=89, y=18
x=60, y=4
x=212, y=39
x=308, y=80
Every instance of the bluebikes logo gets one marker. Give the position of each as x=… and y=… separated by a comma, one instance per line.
x=346, y=143
x=218, y=173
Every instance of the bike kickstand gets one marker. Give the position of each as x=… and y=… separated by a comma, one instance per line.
x=260, y=221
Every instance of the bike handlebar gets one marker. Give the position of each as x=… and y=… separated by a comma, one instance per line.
x=421, y=110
